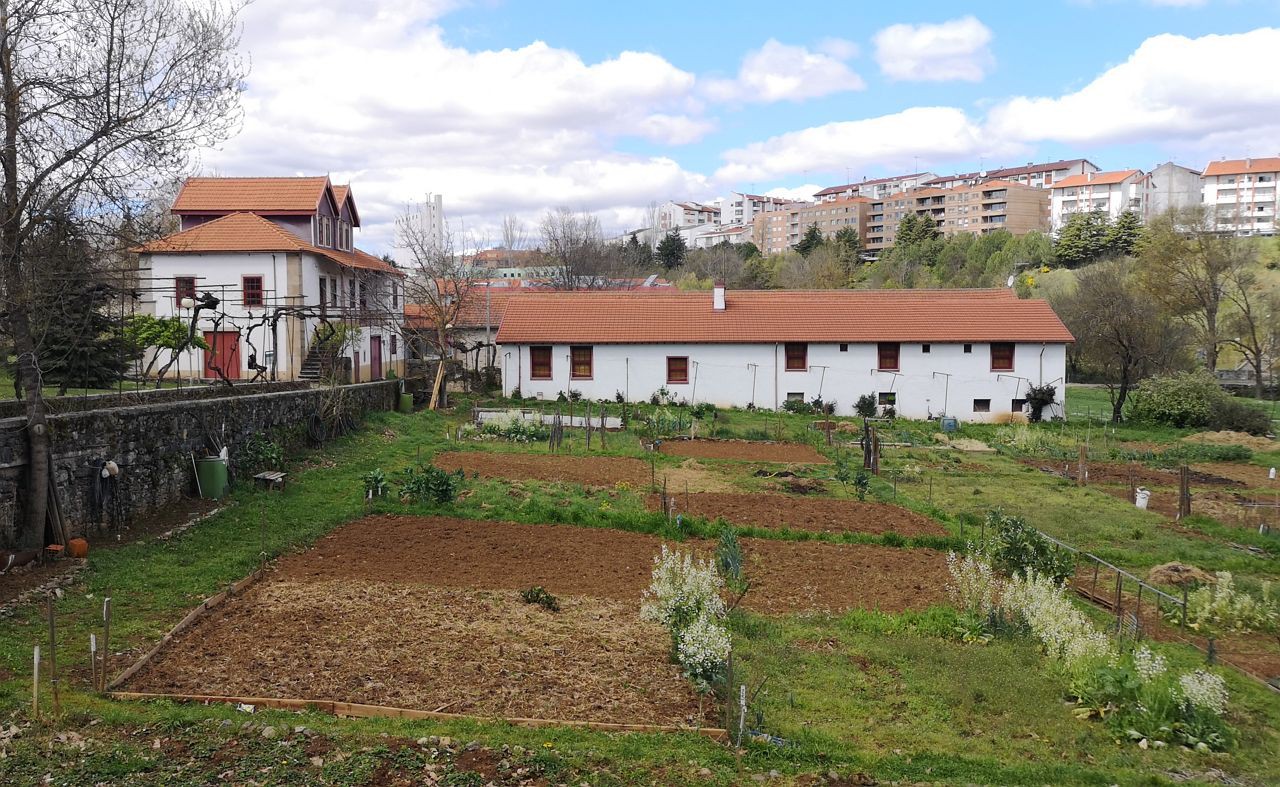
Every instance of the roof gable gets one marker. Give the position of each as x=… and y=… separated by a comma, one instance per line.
x=1098, y=179
x=278, y=196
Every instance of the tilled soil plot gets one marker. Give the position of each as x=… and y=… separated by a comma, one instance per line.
x=1121, y=473
x=1252, y=476
x=476, y=652
x=586, y=470
x=749, y=450
x=823, y=515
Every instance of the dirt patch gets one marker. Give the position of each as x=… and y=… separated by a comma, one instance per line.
x=822, y=515
x=694, y=476
x=586, y=470
x=1233, y=438
x=748, y=450
x=1123, y=473
x=965, y=444
x=1253, y=476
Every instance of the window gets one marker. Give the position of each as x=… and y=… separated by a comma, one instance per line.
x=333, y=291
x=580, y=363
x=540, y=362
x=677, y=369
x=324, y=292
x=183, y=287
x=924, y=348
x=1002, y=356
x=795, y=396
x=395, y=296
x=364, y=297
x=844, y=348
x=888, y=356
x=251, y=289
x=968, y=348
x=887, y=398
x=797, y=356
x=982, y=405
x=351, y=294
x=1017, y=405
x=395, y=345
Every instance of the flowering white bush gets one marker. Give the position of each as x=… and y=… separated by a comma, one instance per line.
x=682, y=590
x=1222, y=606
x=702, y=648
x=974, y=585
x=1063, y=630
x=1149, y=665
x=1203, y=691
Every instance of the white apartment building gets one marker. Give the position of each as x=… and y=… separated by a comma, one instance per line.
x=428, y=218
x=1240, y=195
x=1171, y=186
x=1109, y=193
x=874, y=189
x=1041, y=176
x=740, y=208
x=734, y=233
x=686, y=214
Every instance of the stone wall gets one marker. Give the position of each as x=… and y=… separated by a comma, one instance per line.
x=153, y=444
x=13, y=408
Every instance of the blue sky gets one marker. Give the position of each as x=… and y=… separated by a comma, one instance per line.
x=513, y=107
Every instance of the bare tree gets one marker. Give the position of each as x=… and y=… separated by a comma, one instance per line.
x=576, y=251
x=514, y=235
x=99, y=98
x=1187, y=266
x=1254, y=323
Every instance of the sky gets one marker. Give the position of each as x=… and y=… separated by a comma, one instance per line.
x=513, y=107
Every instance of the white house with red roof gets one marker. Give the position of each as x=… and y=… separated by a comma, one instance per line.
x=278, y=255
x=1108, y=193
x=970, y=354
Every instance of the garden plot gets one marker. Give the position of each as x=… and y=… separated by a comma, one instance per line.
x=748, y=450
x=1123, y=473
x=585, y=470
x=816, y=514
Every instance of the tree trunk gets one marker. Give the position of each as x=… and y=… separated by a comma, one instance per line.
x=1117, y=403
x=31, y=535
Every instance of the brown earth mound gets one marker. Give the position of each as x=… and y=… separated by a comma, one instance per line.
x=748, y=450
x=1233, y=438
x=823, y=515
x=586, y=470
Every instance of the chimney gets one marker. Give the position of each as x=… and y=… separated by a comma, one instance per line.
x=717, y=296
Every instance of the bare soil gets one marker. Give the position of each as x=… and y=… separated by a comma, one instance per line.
x=1123, y=472
x=1233, y=438
x=817, y=514
x=1252, y=476
x=748, y=450
x=585, y=470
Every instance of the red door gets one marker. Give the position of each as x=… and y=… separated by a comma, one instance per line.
x=223, y=352
x=375, y=357
x=355, y=366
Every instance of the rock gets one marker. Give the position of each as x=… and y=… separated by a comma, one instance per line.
x=299, y=730
x=471, y=746
x=518, y=751
x=757, y=777
x=433, y=740
x=704, y=773
x=833, y=776
x=446, y=742
x=268, y=732
x=225, y=723
x=318, y=762
x=424, y=741
x=775, y=775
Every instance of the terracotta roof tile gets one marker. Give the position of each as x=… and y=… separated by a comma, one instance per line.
x=780, y=316
x=248, y=232
x=1097, y=179
x=1241, y=166
x=259, y=195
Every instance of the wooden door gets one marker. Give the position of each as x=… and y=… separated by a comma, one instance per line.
x=223, y=352
x=375, y=357
x=355, y=366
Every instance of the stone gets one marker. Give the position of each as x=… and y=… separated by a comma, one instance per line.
x=268, y=732
x=518, y=751
x=704, y=773
x=318, y=762
x=424, y=741
x=446, y=742
x=775, y=775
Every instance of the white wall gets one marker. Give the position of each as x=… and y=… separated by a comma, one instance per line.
x=724, y=378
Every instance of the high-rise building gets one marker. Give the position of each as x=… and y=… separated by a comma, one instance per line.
x=977, y=209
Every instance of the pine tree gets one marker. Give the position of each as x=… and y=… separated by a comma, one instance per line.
x=812, y=239
x=1082, y=239
x=1123, y=235
x=848, y=246
x=672, y=251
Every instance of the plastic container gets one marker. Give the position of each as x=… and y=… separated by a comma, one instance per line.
x=211, y=473
x=406, y=403
x=949, y=424
x=78, y=548
x=1140, y=498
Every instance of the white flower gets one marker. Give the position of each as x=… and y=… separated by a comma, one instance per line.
x=1149, y=665
x=1203, y=691
x=1063, y=630
x=702, y=649
x=974, y=585
x=682, y=589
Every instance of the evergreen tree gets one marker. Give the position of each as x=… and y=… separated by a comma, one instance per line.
x=1082, y=239
x=672, y=251
x=1123, y=235
x=914, y=229
x=848, y=247
x=812, y=239
x=637, y=254
x=747, y=250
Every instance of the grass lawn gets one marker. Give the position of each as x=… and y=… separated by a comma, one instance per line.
x=897, y=697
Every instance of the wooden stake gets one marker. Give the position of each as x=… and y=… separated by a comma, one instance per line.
x=1083, y=470
x=588, y=425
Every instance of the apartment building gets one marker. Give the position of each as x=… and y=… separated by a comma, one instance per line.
x=1171, y=186
x=1240, y=195
x=734, y=233
x=674, y=215
x=740, y=208
x=1108, y=193
x=780, y=230
x=1042, y=176
x=874, y=189
x=977, y=209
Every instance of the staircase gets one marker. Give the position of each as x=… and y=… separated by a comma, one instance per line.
x=316, y=364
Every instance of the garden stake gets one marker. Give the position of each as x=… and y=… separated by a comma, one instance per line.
x=1119, y=579
x=53, y=658
x=1184, y=607
x=588, y=425
x=106, y=642
x=93, y=660
x=35, y=684
x=1138, y=614
x=742, y=710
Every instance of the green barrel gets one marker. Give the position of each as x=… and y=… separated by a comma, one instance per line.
x=211, y=472
x=406, y=403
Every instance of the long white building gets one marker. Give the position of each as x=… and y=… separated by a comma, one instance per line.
x=1240, y=195
x=970, y=354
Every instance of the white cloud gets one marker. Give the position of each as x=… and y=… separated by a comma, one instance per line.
x=921, y=136
x=781, y=72
x=952, y=50
x=1173, y=89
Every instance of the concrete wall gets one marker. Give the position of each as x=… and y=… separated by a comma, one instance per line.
x=724, y=375
x=152, y=443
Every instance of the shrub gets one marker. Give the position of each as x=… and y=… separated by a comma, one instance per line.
x=820, y=407
x=865, y=406
x=1227, y=413
x=861, y=484
x=540, y=596
x=797, y=406
x=516, y=429
x=260, y=453
x=702, y=648
x=974, y=585
x=681, y=590
x=429, y=483
x=1014, y=547
x=375, y=483
x=1038, y=398
x=1194, y=400
x=1039, y=603
x=703, y=410
x=729, y=556
x=1221, y=607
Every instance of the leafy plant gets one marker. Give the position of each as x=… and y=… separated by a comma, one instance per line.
x=1038, y=398
x=1014, y=547
x=540, y=596
x=819, y=407
x=797, y=406
x=428, y=483
x=1221, y=607
x=684, y=595
x=703, y=410
x=865, y=406
x=729, y=556
x=861, y=484
x=375, y=483
x=260, y=453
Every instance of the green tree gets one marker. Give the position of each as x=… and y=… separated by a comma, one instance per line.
x=1123, y=235
x=747, y=250
x=143, y=331
x=672, y=251
x=811, y=240
x=915, y=229
x=848, y=245
x=1082, y=240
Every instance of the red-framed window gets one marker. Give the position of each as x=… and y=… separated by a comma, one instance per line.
x=580, y=358
x=540, y=362
x=183, y=287
x=1002, y=356
x=797, y=357
x=677, y=369
x=887, y=354
x=251, y=290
